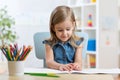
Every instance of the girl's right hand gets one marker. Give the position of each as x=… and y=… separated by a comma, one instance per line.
x=66, y=67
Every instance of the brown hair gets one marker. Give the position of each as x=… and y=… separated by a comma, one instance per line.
x=59, y=15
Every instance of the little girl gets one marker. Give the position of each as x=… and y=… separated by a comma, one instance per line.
x=63, y=48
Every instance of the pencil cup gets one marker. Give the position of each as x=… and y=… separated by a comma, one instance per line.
x=16, y=68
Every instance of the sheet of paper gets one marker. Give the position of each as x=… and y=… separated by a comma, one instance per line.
x=101, y=71
x=42, y=70
x=84, y=71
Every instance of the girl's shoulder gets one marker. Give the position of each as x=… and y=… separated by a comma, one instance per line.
x=47, y=41
x=79, y=41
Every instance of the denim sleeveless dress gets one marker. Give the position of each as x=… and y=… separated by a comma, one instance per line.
x=64, y=53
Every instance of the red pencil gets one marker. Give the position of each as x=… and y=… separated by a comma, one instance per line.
x=22, y=57
x=30, y=48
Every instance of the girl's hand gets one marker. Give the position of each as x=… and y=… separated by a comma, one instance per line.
x=66, y=67
x=76, y=66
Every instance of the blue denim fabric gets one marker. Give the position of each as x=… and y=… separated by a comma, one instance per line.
x=63, y=53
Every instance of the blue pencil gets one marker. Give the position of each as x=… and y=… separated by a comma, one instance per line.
x=4, y=53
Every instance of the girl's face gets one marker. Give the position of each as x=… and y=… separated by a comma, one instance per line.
x=64, y=30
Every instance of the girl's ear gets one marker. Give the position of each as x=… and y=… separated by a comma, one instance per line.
x=53, y=28
x=74, y=26
x=74, y=23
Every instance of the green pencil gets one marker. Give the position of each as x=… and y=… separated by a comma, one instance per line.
x=43, y=74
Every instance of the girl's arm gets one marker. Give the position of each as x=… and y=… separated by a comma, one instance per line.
x=78, y=58
x=50, y=58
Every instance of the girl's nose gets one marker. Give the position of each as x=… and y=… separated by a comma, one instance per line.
x=64, y=32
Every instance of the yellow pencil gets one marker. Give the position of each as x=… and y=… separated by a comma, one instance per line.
x=18, y=54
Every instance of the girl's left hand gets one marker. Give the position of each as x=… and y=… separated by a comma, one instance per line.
x=76, y=66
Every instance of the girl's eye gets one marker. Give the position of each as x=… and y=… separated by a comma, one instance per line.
x=68, y=29
x=60, y=30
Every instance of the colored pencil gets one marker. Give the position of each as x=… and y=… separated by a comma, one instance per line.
x=12, y=53
x=43, y=74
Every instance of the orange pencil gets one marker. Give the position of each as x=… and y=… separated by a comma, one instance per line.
x=22, y=57
x=30, y=48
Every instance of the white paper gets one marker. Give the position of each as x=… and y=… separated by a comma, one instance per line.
x=84, y=71
x=42, y=70
x=101, y=71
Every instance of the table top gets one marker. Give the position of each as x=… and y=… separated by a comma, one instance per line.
x=61, y=77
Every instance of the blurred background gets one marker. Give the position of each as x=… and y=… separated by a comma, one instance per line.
x=32, y=16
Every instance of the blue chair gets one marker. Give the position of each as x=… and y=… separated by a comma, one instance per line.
x=40, y=48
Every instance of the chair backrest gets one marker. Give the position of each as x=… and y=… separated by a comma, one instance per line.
x=40, y=48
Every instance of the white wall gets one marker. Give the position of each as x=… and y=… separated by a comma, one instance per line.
x=119, y=29
x=31, y=16
x=119, y=13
